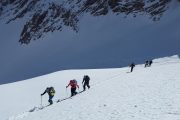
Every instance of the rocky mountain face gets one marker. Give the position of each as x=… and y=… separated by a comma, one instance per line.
x=43, y=16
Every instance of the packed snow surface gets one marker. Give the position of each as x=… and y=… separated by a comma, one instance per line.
x=151, y=93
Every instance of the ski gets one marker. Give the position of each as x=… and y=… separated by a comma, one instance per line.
x=60, y=100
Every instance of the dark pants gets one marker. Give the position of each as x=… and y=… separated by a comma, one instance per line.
x=86, y=84
x=73, y=91
x=132, y=69
x=146, y=65
x=50, y=99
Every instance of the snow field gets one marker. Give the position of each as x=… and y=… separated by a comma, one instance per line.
x=151, y=93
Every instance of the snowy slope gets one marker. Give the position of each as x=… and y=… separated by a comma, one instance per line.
x=115, y=94
x=102, y=42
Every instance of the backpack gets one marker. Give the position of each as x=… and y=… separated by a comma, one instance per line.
x=73, y=83
x=52, y=91
x=86, y=78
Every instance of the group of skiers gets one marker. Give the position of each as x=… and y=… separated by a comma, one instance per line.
x=73, y=83
x=147, y=64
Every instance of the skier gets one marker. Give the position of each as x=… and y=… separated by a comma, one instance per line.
x=132, y=66
x=146, y=63
x=150, y=62
x=86, y=82
x=73, y=84
x=51, y=92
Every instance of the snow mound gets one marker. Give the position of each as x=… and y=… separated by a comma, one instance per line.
x=115, y=94
x=171, y=59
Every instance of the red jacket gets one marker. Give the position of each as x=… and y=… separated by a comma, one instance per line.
x=73, y=84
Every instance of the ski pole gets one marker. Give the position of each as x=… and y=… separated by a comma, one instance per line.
x=66, y=92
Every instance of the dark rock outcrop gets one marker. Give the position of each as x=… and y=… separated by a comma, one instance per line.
x=48, y=16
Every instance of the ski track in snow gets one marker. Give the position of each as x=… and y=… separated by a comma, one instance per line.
x=20, y=116
x=151, y=93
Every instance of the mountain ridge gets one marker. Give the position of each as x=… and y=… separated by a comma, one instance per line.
x=53, y=16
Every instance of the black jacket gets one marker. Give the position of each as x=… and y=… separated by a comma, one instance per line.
x=86, y=79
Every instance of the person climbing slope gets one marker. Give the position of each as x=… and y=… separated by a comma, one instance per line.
x=85, y=82
x=51, y=93
x=73, y=84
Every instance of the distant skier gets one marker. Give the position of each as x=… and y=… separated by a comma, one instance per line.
x=132, y=66
x=86, y=82
x=146, y=63
x=150, y=62
x=51, y=93
x=73, y=84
